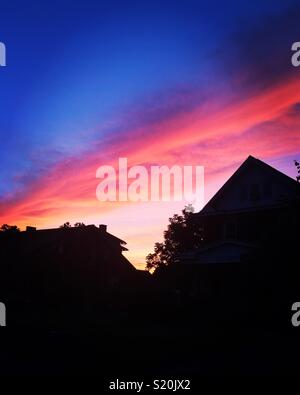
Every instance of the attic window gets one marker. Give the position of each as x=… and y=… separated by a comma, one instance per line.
x=243, y=193
x=230, y=230
x=254, y=192
x=267, y=189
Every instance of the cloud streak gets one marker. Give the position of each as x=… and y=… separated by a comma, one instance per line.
x=248, y=105
x=218, y=137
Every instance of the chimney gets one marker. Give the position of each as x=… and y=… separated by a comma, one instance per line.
x=30, y=228
x=103, y=227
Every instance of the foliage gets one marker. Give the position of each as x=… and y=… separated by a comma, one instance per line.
x=66, y=225
x=182, y=234
x=297, y=164
x=9, y=228
x=79, y=225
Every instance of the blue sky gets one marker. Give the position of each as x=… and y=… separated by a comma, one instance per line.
x=187, y=82
x=74, y=65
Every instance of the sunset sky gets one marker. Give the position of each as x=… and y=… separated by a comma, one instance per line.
x=158, y=82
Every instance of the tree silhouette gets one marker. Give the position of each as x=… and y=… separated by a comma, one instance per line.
x=79, y=225
x=66, y=225
x=182, y=234
x=297, y=164
x=9, y=228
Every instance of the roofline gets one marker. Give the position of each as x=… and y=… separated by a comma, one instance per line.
x=238, y=171
x=220, y=243
x=73, y=228
x=246, y=209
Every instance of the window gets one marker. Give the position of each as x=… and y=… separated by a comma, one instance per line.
x=230, y=230
x=267, y=189
x=254, y=192
x=243, y=193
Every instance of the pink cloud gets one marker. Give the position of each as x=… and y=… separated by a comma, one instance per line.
x=218, y=137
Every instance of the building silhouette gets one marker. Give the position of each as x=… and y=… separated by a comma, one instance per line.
x=246, y=260
x=66, y=275
x=256, y=199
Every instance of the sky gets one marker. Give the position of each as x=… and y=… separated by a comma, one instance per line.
x=159, y=82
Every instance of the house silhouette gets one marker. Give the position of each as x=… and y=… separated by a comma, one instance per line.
x=53, y=274
x=256, y=199
x=247, y=249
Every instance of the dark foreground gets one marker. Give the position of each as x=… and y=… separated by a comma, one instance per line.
x=149, y=353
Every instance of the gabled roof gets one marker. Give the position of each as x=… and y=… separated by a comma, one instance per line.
x=250, y=162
